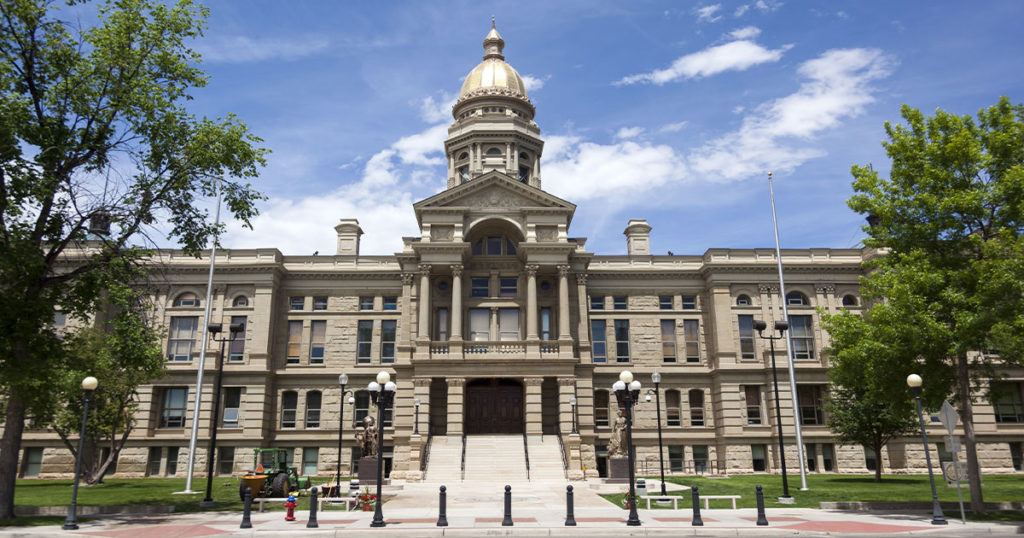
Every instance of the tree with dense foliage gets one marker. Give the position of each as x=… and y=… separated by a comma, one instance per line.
x=95, y=136
x=950, y=218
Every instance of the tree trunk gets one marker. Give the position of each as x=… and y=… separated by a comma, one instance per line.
x=970, y=446
x=10, y=445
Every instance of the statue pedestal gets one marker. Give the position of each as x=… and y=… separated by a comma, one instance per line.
x=618, y=470
x=367, y=470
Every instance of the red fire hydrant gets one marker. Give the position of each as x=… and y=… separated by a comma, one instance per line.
x=290, y=506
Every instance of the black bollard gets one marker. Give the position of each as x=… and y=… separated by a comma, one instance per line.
x=442, y=513
x=507, y=522
x=695, y=495
x=313, y=505
x=246, y=510
x=570, y=519
x=762, y=521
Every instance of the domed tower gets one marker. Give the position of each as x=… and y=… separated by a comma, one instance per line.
x=493, y=127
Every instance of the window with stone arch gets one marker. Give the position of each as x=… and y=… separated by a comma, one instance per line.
x=850, y=300
x=494, y=152
x=187, y=299
x=796, y=298
x=744, y=300
x=240, y=301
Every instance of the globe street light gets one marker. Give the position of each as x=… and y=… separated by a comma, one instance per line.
x=416, y=412
x=215, y=329
x=89, y=384
x=781, y=327
x=914, y=381
x=627, y=392
x=342, y=381
x=382, y=392
x=656, y=378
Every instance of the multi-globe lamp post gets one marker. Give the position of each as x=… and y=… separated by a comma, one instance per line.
x=914, y=381
x=780, y=327
x=89, y=384
x=627, y=393
x=215, y=329
x=342, y=381
x=382, y=392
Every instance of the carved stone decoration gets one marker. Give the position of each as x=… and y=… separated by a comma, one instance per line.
x=408, y=279
x=533, y=381
x=581, y=279
x=421, y=381
x=765, y=289
x=547, y=234
x=496, y=197
x=457, y=269
x=567, y=381
x=563, y=270
x=531, y=269
x=829, y=289
x=442, y=233
x=424, y=268
x=456, y=382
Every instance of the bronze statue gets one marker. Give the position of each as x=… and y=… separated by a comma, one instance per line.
x=617, y=443
x=367, y=437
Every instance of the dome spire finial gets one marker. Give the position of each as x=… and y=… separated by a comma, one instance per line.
x=493, y=43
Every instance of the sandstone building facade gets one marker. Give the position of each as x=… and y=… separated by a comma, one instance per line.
x=496, y=321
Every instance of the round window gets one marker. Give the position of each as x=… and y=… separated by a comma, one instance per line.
x=545, y=285
x=442, y=285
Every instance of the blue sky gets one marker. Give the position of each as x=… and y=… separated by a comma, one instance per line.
x=670, y=111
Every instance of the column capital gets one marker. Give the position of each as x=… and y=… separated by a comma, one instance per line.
x=408, y=278
x=563, y=270
x=421, y=381
x=567, y=381
x=457, y=269
x=424, y=269
x=494, y=309
x=533, y=381
x=531, y=269
x=456, y=381
x=581, y=278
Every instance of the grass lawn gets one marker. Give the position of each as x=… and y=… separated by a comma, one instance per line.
x=830, y=487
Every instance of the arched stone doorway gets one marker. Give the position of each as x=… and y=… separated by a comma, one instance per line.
x=494, y=406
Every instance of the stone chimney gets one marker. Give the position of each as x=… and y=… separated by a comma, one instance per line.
x=638, y=237
x=348, y=237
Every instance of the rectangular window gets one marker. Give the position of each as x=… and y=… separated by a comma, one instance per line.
x=361, y=407
x=597, y=302
x=236, y=349
x=182, y=338
x=870, y=459
x=598, y=339
x=480, y=286
x=508, y=286
x=812, y=412
x=1017, y=456
x=689, y=302
x=320, y=303
x=494, y=246
x=388, y=330
x=172, y=411
x=366, y=302
x=441, y=325
x=675, y=458
x=673, y=409
x=746, y=336
x=153, y=461
x=1008, y=402
x=828, y=457
x=810, y=452
x=752, y=394
x=545, y=323
x=172, y=461
x=32, y=461
x=313, y=400
x=289, y=403
x=296, y=302
x=621, y=340
x=668, y=340
x=802, y=336
x=691, y=332
x=294, y=341
x=758, y=458
x=696, y=400
x=317, y=339
x=665, y=302
x=364, y=341
x=508, y=324
x=309, y=458
x=700, y=459
x=601, y=408
x=232, y=405
x=225, y=460
x=390, y=302
x=620, y=302
x=479, y=324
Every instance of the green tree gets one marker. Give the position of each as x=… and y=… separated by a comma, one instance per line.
x=94, y=130
x=950, y=217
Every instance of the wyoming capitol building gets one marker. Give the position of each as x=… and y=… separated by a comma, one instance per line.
x=504, y=335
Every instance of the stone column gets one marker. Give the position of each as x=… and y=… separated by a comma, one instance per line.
x=534, y=413
x=456, y=315
x=455, y=405
x=493, y=335
x=566, y=390
x=424, y=329
x=508, y=157
x=563, y=302
x=404, y=332
x=531, y=302
x=421, y=391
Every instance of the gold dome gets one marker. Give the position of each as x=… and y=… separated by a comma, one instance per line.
x=493, y=76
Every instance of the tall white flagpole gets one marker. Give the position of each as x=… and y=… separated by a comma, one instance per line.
x=202, y=353
x=789, y=345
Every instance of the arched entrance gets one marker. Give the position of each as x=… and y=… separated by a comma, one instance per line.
x=494, y=406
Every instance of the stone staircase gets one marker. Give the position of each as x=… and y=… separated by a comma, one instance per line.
x=545, y=458
x=494, y=458
x=445, y=463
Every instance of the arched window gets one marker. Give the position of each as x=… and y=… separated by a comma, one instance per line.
x=795, y=298
x=313, y=399
x=241, y=300
x=673, y=415
x=696, y=399
x=187, y=299
x=464, y=155
x=743, y=300
x=493, y=152
x=523, y=156
x=850, y=300
x=289, y=401
x=601, y=408
x=524, y=174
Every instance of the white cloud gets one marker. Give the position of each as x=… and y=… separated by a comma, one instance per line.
x=740, y=11
x=747, y=32
x=423, y=148
x=708, y=13
x=580, y=170
x=837, y=86
x=733, y=56
x=738, y=109
x=629, y=132
x=535, y=83
x=767, y=5
x=240, y=49
x=440, y=109
x=673, y=127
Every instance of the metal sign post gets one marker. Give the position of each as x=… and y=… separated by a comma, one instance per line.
x=949, y=418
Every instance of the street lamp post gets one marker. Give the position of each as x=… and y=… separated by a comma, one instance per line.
x=781, y=327
x=656, y=379
x=627, y=392
x=71, y=522
x=572, y=407
x=382, y=392
x=342, y=381
x=215, y=329
x=914, y=381
x=416, y=426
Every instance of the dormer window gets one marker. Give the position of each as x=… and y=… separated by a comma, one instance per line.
x=494, y=245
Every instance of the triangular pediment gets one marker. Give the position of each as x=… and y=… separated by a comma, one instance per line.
x=494, y=190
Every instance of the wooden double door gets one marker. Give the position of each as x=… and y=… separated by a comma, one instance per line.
x=494, y=406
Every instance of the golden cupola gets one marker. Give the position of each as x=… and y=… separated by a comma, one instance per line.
x=494, y=77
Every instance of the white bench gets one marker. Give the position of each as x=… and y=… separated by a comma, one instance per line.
x=708, y=498
x=263, y=500
x=350, y=502
x=673, y=498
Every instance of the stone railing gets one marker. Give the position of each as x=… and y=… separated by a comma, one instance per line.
x=438, y=349
x=494, y=348
x=549, y=348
